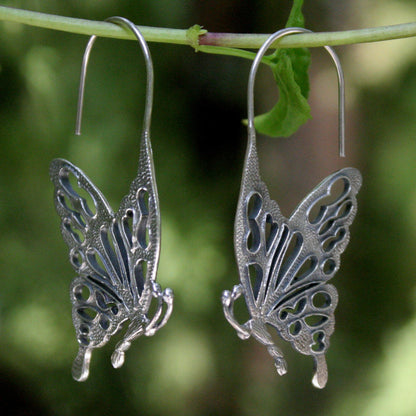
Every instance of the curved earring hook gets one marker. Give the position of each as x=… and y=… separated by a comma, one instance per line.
x=341, y=85
x=149, y=69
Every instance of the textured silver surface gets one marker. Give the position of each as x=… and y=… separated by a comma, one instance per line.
x=115, y=255
x=284, y=264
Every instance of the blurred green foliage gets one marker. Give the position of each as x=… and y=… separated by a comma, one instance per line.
x=196, y=365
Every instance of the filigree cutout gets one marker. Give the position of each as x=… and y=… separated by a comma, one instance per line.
x=115, y=256
x=285, y=263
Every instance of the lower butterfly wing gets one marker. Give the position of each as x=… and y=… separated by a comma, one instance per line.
x=305, y=318
x=96, y=315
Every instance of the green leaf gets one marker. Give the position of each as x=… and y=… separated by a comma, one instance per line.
x=290, y=71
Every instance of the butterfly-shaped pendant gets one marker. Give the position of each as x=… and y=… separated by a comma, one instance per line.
x=285, y=263
x=115, y=256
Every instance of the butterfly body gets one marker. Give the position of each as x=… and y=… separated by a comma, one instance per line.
x=284, y=263
x=115, y=256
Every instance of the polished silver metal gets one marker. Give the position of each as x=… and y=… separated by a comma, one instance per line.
x=284, y=263
x=340, y=76
x=149, y=70
x=115, y=255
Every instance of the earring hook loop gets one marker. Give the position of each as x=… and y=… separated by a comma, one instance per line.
x=121, y=21
x=341, y=84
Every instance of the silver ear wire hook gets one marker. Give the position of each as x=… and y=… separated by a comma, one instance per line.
x=149, y=69
x=341, y=85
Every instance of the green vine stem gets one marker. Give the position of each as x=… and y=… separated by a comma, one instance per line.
x=217, y=43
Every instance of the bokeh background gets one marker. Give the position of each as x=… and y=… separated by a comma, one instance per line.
x=196, y=365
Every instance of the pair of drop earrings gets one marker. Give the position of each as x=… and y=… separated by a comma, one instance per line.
x=284, y=263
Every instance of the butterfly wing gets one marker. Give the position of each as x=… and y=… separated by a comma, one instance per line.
x=258, y=218
x=138, y=229
x=115, y=255
x=304, y=255
x=138, y=222
x=98, y=299
x=284, y=264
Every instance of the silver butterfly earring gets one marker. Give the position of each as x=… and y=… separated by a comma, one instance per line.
x=285, y=263
x=114, y=254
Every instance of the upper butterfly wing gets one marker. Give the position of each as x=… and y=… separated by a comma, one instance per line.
x=137, y=229
x=258, y=219
x=321, y=222
x=85, y=217
x=306, y=253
